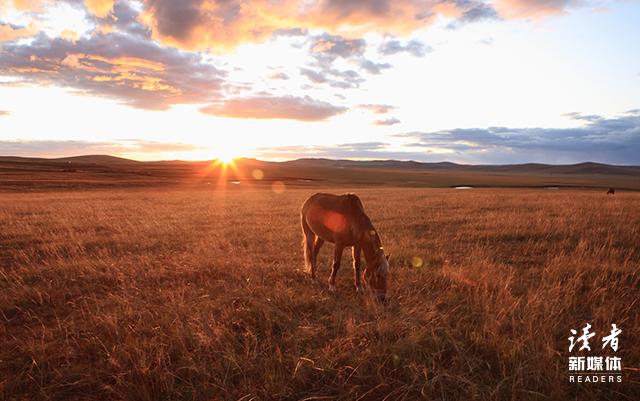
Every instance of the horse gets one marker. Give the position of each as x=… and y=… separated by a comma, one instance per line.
x=611, y=191
x=341, y=220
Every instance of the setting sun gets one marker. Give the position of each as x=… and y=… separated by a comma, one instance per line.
x=225, y=155
x=225, y=159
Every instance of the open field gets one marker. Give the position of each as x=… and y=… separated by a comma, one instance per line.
x=158, y=294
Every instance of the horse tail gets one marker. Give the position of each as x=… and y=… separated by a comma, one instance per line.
x=307, y=242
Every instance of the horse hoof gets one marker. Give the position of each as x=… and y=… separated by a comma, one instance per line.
x=332, y=288
x=359, y=290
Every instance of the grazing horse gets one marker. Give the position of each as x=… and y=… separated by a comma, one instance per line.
x=341, y=220
x=611, y=191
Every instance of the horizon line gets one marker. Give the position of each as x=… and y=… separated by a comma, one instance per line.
x=315, y=158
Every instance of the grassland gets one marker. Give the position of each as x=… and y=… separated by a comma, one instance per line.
x=165, y=294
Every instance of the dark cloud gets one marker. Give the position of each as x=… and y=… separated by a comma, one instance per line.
x=413, y=47
x=291, y=32
x=178, y=19
x=314, y=76
x=58, y=148
x=473, y=12
x=609, y=140
x=374, y=68
x=583, y=117
x=333, y=77
x=386, y=122
x=124, y=18
x=226, y=23
x=325, y=49
x=129, y=68
x=606, y=140
x=275, y=107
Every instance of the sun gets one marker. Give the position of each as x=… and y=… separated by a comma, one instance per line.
x=226, y=159
x=225, y=156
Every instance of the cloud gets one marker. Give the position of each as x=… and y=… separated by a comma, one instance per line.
x=413, y=47
x=58, y=148
x=473, y=12
x=609, y=140
x=279, y=75
x=11, y=32
x=202, y=24
x=477, y=11
x=275, y=107
x=346, y=150
x=326, y=49
x=533, y=9
x=583, y=117
x=333, y=77
x=128, y=68
x=4, y=113
x=377, y=108
x=99, y=8
x=123, y=18
x=387, y=122
x=374, y=68
x=224, y=24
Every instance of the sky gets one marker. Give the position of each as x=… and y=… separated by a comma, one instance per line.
x=467, y=81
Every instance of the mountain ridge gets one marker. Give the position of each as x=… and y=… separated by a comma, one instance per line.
x=109, y=159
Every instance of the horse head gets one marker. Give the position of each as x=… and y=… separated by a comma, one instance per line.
x=377, y=276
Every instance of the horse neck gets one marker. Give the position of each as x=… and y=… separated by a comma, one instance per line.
x=371, y=245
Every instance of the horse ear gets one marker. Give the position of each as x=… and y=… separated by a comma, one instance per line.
x=388, y=256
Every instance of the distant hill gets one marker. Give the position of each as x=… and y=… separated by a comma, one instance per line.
x=85, y=159
x=580, y=168
x=99, y=171
x=96, y=159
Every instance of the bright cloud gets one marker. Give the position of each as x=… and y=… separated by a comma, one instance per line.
x=273, y=107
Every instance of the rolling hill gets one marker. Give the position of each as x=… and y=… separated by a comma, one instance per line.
x=104, y=171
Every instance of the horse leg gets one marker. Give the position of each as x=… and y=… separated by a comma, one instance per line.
x=316, y=249
x=356, y=268
x=337, y=255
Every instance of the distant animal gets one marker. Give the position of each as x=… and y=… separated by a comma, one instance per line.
x=341, y=220
x=611, y=191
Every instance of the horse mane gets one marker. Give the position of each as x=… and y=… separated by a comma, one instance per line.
x=363, y=226
x=357, y=213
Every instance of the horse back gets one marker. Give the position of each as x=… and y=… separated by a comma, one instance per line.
x=335, y=217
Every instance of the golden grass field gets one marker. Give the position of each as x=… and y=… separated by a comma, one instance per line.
x=160, y=294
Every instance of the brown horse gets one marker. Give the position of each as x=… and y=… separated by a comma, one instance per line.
x=611, y=191
x=341, y=220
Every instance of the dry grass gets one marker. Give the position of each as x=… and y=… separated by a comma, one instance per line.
x=154, y=295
